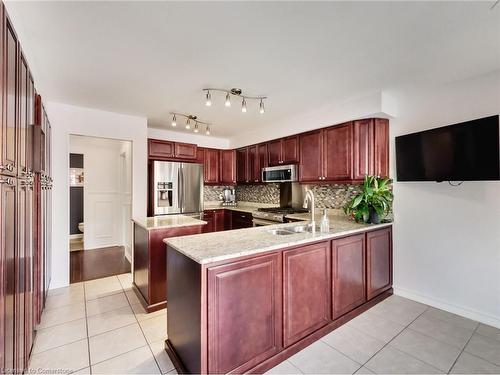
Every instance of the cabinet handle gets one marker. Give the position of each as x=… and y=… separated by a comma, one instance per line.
x=8, y=181
x=9, y=167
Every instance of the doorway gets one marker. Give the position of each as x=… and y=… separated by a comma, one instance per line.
x=100, y=175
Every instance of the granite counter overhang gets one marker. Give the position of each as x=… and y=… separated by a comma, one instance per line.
x=218, y=246
x=168, y=221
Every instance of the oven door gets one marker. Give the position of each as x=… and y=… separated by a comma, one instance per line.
x=262, y=222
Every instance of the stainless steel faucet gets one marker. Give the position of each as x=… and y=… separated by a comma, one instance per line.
x=309, y=199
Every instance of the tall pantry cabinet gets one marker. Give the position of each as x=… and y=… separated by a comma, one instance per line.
x=25, y=183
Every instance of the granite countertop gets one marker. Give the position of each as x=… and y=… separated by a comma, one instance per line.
x=241, y=206
x=217, y=246
x=168, y=221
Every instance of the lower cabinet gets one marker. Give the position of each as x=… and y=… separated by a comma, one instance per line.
x=379, y=261
x=241, y=219
x=306, y=290
x=349, y=280
x=214, y=219
x=244, y=318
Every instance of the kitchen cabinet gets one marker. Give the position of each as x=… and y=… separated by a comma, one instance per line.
x=249, y=162
x=337, y=155
x=370, y=148
x=200, y=155
x=241, y=219
x=244, y=331
x=378, y=261
x=242, y=165
x=211, y=166
x=228, y=167
x=306, y=290
x=311, y=156
x=283, y=151
x=348, y=270
x=168, y=150
x=214, y=219
x=262, y=161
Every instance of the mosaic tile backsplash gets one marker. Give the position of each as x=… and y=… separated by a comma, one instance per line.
x=327, y=196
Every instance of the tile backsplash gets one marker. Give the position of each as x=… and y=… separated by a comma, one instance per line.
x=327, y=196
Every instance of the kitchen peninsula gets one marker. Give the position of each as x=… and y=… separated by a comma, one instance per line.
x=245, y=300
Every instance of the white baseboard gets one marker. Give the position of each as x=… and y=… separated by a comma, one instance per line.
x=466, y=312
x=75, y=236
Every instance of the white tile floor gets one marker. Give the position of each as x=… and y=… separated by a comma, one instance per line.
x=100, y=327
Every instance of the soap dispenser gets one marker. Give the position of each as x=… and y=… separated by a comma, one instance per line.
x=325, y=223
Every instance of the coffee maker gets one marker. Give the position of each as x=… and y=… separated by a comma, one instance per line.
x=228, y=196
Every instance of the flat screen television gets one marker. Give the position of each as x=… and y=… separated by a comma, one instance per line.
x=468, y=151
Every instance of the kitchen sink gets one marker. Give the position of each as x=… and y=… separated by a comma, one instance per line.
x=280, y=232
x=301, y=229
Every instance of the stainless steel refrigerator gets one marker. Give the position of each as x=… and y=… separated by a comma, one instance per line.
x=177, y=188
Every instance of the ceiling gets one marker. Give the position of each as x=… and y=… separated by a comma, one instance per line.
x=150, y=58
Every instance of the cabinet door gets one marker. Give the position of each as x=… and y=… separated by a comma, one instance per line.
x=274, y=152
x=10, y=100
x=311, y=155
x=160, y=149
x=362, y=149
x=200, y=156
x=228, y=166
x=211, y=163
x=379, y=261
x=241, y=220
x=20, y=297
x=8, y=198
x=290, y=150
x=381, y=148
x=262, y=160
x=349, y=282
x=219, y=220
x=244, y=318
x=185, y=150
x=306, y=290
x=337, y=152
x=208, y=216
x=253, y=164
x=22, y=144
x=242, y=165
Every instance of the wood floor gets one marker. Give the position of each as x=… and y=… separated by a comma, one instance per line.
x=94, y=264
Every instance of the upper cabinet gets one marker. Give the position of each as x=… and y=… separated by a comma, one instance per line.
x=211, y=166
x=283, y=151
x=228, y=167
x=370, y=148
x=167, y=150
x=249, y=162
x=242, y=165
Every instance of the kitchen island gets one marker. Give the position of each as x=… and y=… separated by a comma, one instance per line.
x=149, y=273
x=245, y=300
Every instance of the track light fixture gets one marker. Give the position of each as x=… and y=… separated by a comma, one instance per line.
x=189, y=119
x=235, y=92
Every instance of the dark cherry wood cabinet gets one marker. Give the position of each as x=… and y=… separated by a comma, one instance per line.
x=214, y=219
x=241, y=219
x=261, y=161
x=283, y=151
x=249, y=163
x=228, y=167
x=242, y=165
x=348, y=270
x=311, y=156
x=337, y=153
x=306, y=291
x=168, y=150
x=211, y=166
x=379, y=261
x=243, y=332
x=370, y=148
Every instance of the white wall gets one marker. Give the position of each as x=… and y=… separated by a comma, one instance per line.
x=188, y=137
x=66, y=120
x=105, y=204
x=447, y=239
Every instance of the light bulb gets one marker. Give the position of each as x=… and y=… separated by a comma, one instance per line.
x=196, y=127
x=188, y=124
x=228, y=101
x=208, y=102
x=261, y=107
x=244, y=106
x=174, y=121
x=207, y=131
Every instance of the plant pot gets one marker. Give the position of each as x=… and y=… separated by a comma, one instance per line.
x=374, y=217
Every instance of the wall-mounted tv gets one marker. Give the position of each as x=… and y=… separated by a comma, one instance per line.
x=468, y=151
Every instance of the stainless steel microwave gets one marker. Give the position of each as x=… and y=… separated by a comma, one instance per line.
x=281, y=173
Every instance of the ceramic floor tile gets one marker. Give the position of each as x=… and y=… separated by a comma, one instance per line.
x=141, y=314
x=61, y=315
x=71, y=357
x=484, y=347
x=102, y=287
x=110, y=320
x=364, y=370
x=155, y=329
x=105, y=304
x=83, y=371
x=470, y=364
x=392, y=361
x=64, y=296
x=353, y=343
x=158, y=349
x=451, y=318
x=125, y=280
x=61, y=334
x=110, y=344
x=376, y=326
x=399, y=309
x=442, y=330
x=132, y=297
x=174, y=371
x=137, y=361
x=71, y=289
x=488, y=331
x=427, y=349
x=285, y=367
x=319, y=358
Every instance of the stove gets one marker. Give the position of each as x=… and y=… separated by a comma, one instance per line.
x=274, y=215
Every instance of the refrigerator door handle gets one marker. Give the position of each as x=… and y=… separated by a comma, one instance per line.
x=181, y=189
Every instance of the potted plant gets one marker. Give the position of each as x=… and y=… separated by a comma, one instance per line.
x=373, y=203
